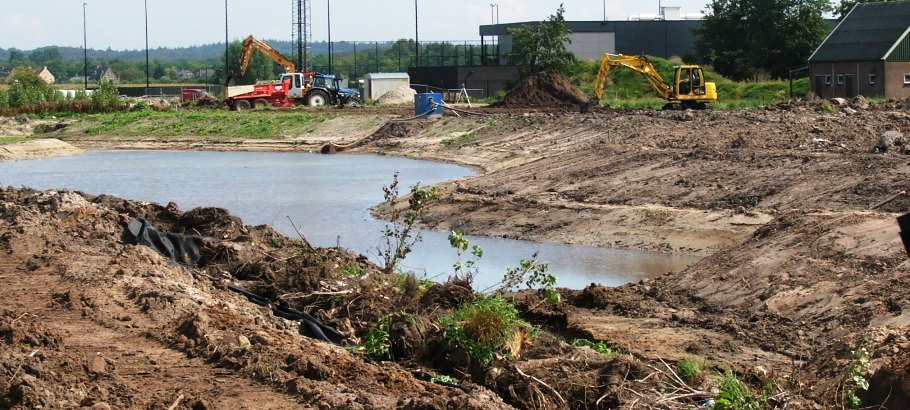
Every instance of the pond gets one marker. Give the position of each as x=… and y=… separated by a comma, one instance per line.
x=328, y=197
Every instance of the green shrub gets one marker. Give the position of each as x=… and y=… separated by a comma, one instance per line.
x=484, y=327
x=378, y=344
x=105, y=97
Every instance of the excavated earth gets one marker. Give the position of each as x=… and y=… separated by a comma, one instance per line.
x=798, y=272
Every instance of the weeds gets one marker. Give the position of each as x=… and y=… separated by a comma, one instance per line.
x=355, y=271
x=690, y=370
x=599, y=347
x=377, y=343
x=460, y=141
x=856, y=378
x=399, y=238
x=484, y=327
x=734, y=395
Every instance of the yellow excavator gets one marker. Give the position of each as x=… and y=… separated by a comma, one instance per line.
x=688, y=90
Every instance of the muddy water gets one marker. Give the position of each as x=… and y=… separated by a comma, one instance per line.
x=327, y=197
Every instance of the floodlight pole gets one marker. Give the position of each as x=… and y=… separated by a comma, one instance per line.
x=146, y=45
x=416, y=38
x=84, y=48
x=329, y=8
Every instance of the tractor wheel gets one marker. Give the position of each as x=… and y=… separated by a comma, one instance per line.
x=242, y=105
x=260, y=104
x=317, y=98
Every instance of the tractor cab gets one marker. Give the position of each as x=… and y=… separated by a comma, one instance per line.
x=296, y=84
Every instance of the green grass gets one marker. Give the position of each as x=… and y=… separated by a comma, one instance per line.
x=201, y=123
x=691, y=370
x=11, y=140
x=460, y=141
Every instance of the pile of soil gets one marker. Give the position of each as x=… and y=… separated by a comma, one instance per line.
x=544, y=90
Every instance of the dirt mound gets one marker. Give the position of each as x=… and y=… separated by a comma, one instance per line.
x=400, y=95
x=544, y=90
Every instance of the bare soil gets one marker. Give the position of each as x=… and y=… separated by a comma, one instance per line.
x=798, y=273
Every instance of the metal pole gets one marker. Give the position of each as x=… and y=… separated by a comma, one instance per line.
x=605, y=10
x=227, y=52
x=492, y=21
x=84, y=48
x=416, y=38
x=497, y=14
x=329, y=8
x=146, y=45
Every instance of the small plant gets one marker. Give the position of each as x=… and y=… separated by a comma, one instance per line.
x=352, y=271
x=377, y=344
x=828, y=107
x=734, y=395
x=599, y=347
x=442, y=379
x=466, y=269
x=486, y=326
x=690, y=369
x=399, y=238
x=534, y=274
x=856, y=378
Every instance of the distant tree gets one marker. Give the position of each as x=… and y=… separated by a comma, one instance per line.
x=542, y=48
x=745, y=38
x=17, y=58
x=846, y=5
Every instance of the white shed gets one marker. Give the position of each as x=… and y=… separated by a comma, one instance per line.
x=377, y=84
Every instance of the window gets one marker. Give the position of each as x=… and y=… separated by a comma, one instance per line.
x=906, y=78
x=840, y=79
x=827, y=80
x=871, y=79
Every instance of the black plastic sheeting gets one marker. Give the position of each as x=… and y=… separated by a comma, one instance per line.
x=187, y=250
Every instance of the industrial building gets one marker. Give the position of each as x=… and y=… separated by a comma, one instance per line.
x=667, y=35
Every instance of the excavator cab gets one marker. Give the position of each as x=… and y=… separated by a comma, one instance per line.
x=689, y=84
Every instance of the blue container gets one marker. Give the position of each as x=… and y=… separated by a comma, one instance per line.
x=423, y=102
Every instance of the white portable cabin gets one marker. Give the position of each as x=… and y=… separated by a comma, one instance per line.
x=377, y=84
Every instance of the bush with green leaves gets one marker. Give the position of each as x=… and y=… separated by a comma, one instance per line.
x=106, y=97
x=27, y=89
x=484, y=327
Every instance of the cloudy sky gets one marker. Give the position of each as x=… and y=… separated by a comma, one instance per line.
x=119, y=24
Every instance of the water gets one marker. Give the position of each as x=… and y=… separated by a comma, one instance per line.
x=328, y=197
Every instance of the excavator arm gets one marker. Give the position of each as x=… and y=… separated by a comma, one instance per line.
x=639, y=64
x=251, y=44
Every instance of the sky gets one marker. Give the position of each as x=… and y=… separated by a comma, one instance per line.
x=120, y=24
